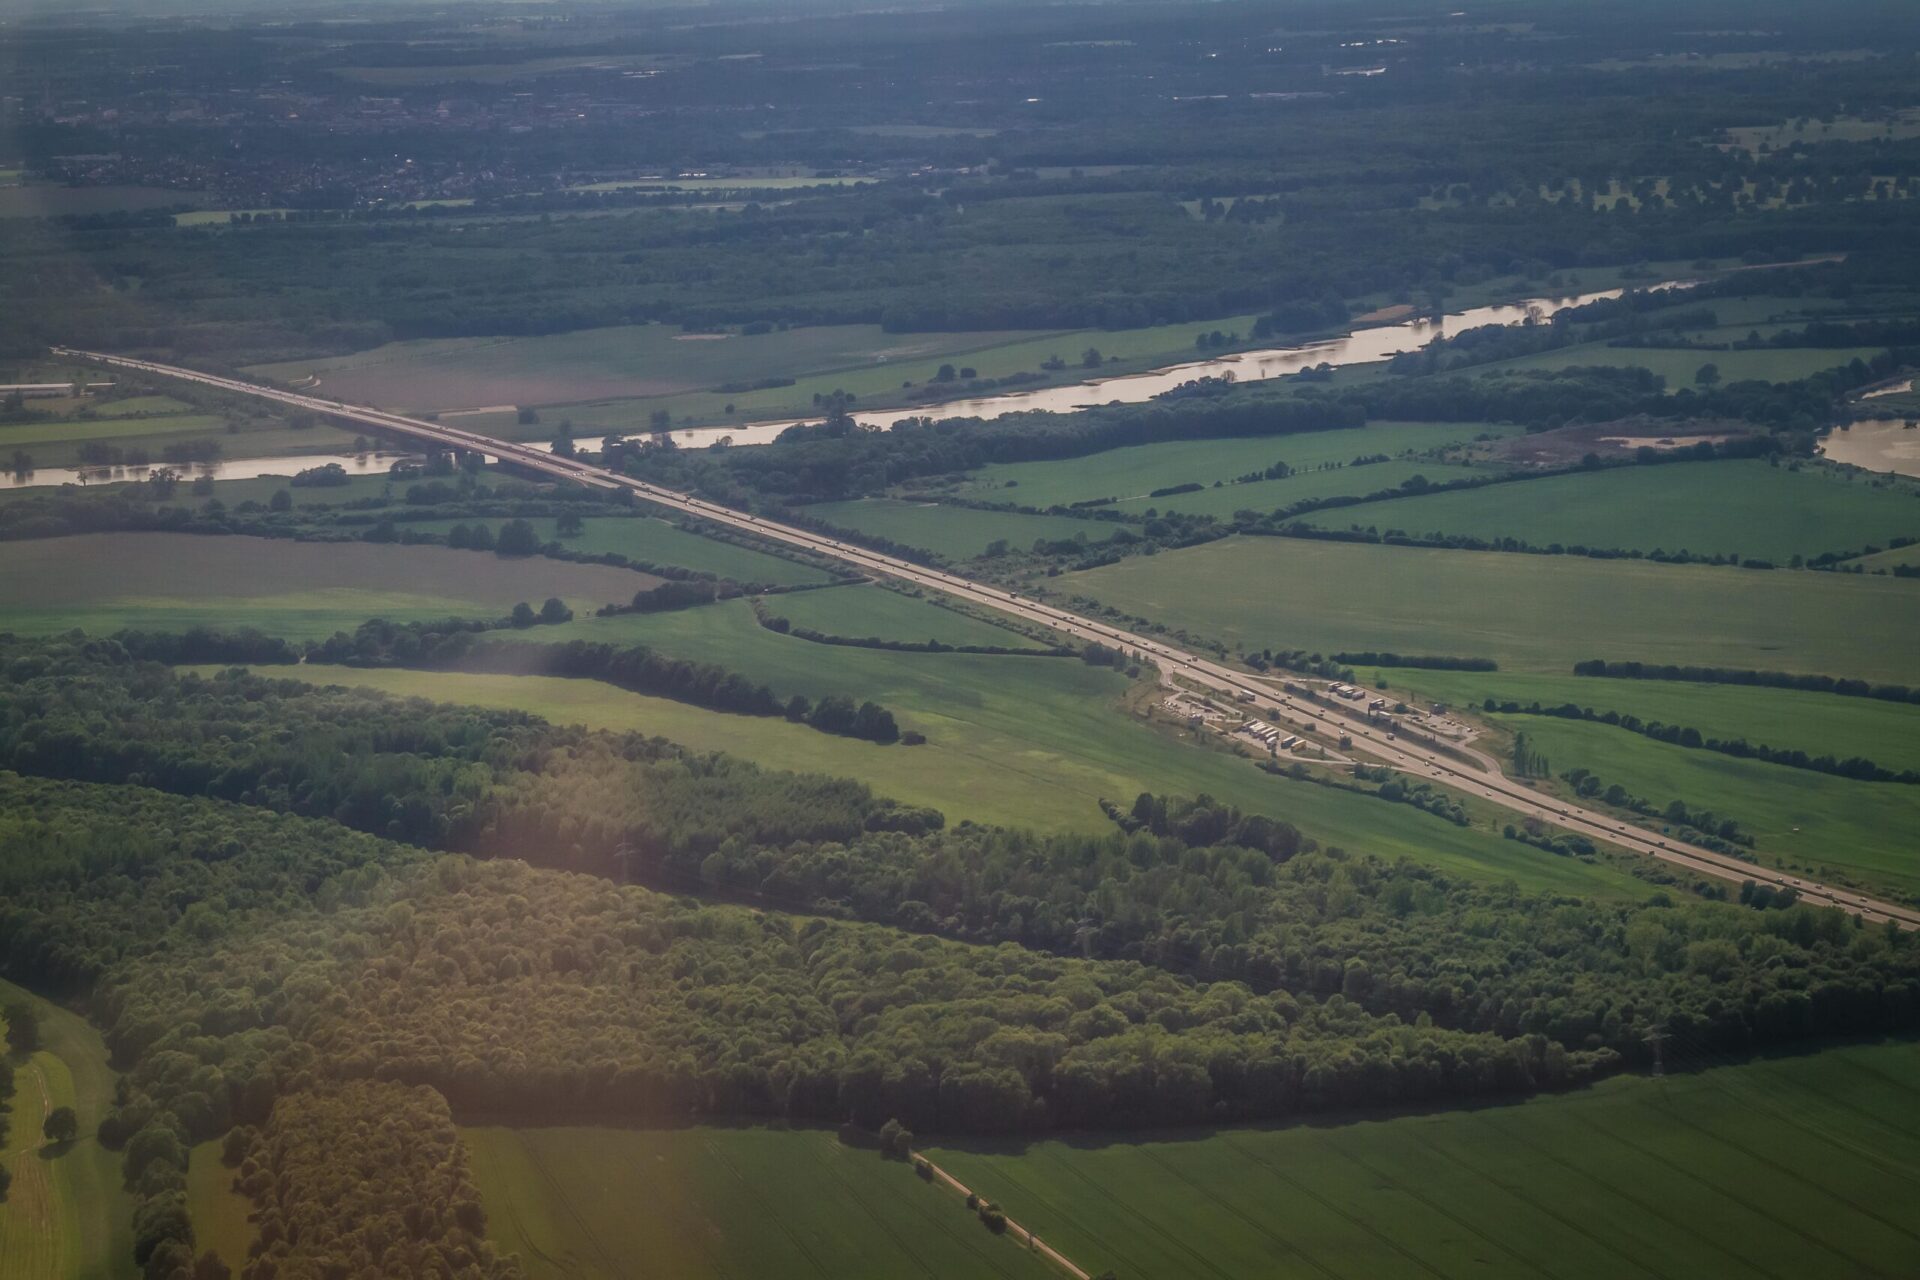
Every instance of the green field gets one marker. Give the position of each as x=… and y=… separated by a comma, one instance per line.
x=152, y=423
x=1861, y=833
x=1033, y=742
x=605, y=1204
x=219, y=1213
x=71, y=431
x=1136, y=471
x=1679, y=365
x=1785, y=1167
x=169, y=581
x=65, y=1216
x=657, y=542
x=1744, y=508
x=862, y=612
x=1531, y=613
x=959, y=533
x=1817, y=723
x=619, y=361
x=1264, y=496
x=1905, y=557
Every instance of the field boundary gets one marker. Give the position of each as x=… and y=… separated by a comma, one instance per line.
x=1034, y=1243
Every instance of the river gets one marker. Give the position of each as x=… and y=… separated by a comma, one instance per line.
x=1378, y=342
x=1875, y=444
x=359, y=464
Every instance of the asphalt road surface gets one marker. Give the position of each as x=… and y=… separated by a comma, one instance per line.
x=1377, y=741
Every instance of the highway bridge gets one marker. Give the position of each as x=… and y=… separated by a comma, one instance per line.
x=1480, y=778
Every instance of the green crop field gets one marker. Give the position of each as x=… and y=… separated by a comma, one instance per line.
x=167, y=581
x=1679, y=365
x=1136, y=471
x=1817, y=723
x=1880, y=561
x=73, y=431
x=1745, y=507
x=1861, y=833
x=959, y=533
x=1531, y=613
x=1263, y=496
x=66, y=1216
x=1821, y=724
x=599, y=1204
x=860, y=612
x=1021, y=741
x=219, y=1213
x=657, y=542
x=1793, y=1166
x=618, y=361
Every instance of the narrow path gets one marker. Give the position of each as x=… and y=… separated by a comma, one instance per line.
x=1014, y=1229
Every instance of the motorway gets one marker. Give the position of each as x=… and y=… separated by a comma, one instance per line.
x=1376, y=741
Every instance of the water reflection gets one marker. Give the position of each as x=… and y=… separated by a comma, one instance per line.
x=369, y=464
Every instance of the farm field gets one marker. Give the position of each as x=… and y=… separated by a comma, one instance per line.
x=653, y=541
x=1138, y=470
x=152, y=423
x=65, y=1216
x=958, y=533
x=48, y=200
x=1678, y=365
x=1862, y=833
x=860, y=612
x=1789, y=1166
x=617, y=361
x=1269, y=495
x=687, y=1204
x=1743, y=507
x=1017, y=741
x=1880, y=561
x=219, y=1213
x=104, y=582
x=1528, y=612
x=1817, y=723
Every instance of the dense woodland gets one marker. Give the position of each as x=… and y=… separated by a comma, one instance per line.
x=1204, y=965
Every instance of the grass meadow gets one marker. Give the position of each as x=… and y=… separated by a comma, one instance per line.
x=958, y=533
x=1264, y=496
x=65, y=1216
x=1678, y=365
x=1529, y=612
x=1861, y=833
x=658, y=542
x=166, y=581
x=866, y=611
x=1742, y=507
x=1817, y=723
x=154, y=422
x=623, y=361
x=219, y=1213
x=1134, y=472
x=1782, y=1167
x=1034, y=742
x=606, y=1204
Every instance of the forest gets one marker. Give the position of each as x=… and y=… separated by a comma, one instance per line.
x=265, y=891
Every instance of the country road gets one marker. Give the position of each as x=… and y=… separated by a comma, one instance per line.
x=1377, y=742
